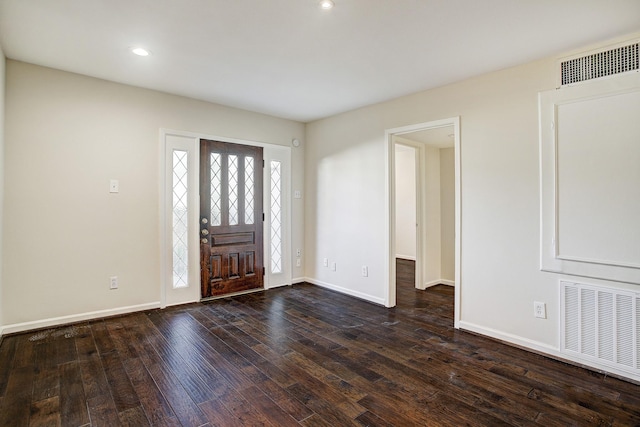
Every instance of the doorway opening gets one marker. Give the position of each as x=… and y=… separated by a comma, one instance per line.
x=424, y=205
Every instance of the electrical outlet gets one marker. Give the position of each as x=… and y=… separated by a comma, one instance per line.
x=298, y=263
x=298, y=252
x=365, y=271
x=334, y=266
x=325, y=262
x=540, y=310
x=113, y=284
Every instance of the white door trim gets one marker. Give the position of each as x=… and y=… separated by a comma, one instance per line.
x=190, y=142
x=390, y=266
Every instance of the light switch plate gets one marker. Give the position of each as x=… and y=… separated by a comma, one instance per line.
x=114, y=186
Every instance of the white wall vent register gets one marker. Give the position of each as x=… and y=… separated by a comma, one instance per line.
x=599, y=64
x=601, y=325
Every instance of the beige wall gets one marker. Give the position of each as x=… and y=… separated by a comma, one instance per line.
x=405, y=202
x=2, y=96
x=66, y=136
x=500, y=198
x=447, y=213
x=432, y=235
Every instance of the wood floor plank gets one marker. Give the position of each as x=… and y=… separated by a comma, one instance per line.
x=267, y=407
x=185, y=409
x=65, y=349
x=201, y=359
x=133, y=417
x=25, y=353
x=219, y=415
x=228, y=334
x=101, y=336
x=168, y=422
x=47, y=375
x=328, y=377
x=94, y=379
x=153, y=402
x=284, y=400
x=45, y=413
x=16, y=405
x=331, y=413
x=120, y=338
x=7, y=352
x=244, y=410
x=218, y=354
x=372, y=420
x=123, y=393
x=183, y=363
x=399, y=414
x=299, y=355
x=73, y=404
x=103, y=411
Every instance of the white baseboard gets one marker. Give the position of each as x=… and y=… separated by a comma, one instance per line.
x=407, y=257
x=74, y=318
x=438, y=282
x=360, y=295
x=297, y=280
x=279, y=285
x=546, y=350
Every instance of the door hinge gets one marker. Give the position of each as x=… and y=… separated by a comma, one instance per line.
x=262, y=216
x=263, y=164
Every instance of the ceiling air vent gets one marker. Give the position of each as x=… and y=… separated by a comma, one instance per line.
x=600, y=64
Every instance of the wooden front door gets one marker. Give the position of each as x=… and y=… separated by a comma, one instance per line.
x=231, y=219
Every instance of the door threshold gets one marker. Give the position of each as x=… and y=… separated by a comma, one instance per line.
x=232, y=294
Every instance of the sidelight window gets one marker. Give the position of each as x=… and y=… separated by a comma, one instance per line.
x=276, y=217
x=216, y=187
x=180, y=220
x=233, y=189
x=248, y=190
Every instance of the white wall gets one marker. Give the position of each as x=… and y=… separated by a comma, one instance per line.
x=66, y=136
x=432, y=233
x=405, y=202
x=447, y=214
x=500, y=275
x=2, y=96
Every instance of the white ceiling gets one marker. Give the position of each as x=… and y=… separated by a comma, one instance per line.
x=441, y=137
x=289, y=58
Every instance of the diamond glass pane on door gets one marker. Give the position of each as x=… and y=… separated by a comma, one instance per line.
x=276, y=217
x=180, y=220
x=216, y=189
x=233, y=190
x=248, y=190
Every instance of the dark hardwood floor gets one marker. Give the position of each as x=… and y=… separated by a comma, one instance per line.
x=300, y=355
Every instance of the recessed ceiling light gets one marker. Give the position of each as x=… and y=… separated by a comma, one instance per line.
x=326, y=4
x=140, y=51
